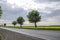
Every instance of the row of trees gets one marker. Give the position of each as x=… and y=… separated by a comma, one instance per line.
x=20, y=21
x=33, y=17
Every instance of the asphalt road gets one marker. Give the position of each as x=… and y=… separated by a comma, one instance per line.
x=45, y=34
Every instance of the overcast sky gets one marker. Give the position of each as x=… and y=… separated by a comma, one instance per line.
x=48, y=9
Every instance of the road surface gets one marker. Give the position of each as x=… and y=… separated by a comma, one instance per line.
x=45, y=34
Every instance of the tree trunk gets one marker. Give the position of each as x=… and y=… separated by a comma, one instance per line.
x=35, y=25
x=20, y=26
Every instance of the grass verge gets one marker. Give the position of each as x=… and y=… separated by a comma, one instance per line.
x=38, y=28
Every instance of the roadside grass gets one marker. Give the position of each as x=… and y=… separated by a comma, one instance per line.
x=0, y=37
x=38, y=28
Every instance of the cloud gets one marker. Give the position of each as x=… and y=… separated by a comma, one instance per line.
x=41, y=1
x=51, y=19
x=10, y=13
x=49, y=10
x=8, y=22
x=54, y=13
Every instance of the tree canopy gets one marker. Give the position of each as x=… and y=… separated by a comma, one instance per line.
x=34, y=17
x=14, y=23
x=0, y=12
x=20, y=20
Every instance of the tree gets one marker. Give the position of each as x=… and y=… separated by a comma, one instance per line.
x=20, y=21
x=14, y=23
x=4, y=24
x=0, y=11
x=34, y=17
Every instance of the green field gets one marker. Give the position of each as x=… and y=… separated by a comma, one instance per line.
x=38, y=28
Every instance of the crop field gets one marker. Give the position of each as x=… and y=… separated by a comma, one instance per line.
x=38, y=28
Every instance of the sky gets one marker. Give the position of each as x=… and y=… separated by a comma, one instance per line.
x=48, y=9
